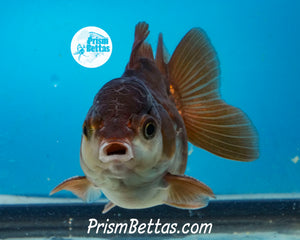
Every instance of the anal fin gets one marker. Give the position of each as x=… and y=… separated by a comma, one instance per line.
x=81, y=187
x=186, y=192
x=108, y=207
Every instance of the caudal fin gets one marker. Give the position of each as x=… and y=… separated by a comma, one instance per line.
x=211, y=124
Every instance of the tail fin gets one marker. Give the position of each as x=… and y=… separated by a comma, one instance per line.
x=211, y=123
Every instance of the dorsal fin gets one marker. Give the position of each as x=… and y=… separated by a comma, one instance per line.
x=140, y=48
x=145, y=51
x=210, y=123
x=162, y=56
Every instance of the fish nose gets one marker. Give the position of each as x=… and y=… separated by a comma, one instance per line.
x=116, y=150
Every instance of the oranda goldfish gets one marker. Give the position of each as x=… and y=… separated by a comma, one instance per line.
x=135, y=136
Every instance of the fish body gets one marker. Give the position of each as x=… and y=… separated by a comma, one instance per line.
x=135, y=135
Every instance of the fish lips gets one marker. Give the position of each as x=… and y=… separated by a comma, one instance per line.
x=115, y=151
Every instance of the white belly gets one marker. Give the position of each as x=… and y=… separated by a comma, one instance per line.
x=135, y=197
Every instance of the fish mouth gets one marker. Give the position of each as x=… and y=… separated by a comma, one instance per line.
x=117, y=151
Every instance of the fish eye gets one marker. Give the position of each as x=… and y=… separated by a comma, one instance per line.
x=149, y=129
x=85, y=131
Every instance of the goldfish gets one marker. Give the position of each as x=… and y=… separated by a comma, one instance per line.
x=134, y=143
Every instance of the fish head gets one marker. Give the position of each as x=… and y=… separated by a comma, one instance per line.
x=122, y=131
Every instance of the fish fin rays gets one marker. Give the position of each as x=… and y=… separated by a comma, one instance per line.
x=223, y=130
x=140, y=48
x=81, y=187
x=187, y=192
x=211, y=124
x=145, y=51
x=141, y=32
x=162, y=56
x=108, y=207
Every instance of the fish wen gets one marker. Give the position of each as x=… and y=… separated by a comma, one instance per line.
x=134, y=139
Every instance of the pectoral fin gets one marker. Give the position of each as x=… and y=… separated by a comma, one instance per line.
x=81, y=187
x=187, y=192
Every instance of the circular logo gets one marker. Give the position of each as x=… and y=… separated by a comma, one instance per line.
x=91, y=47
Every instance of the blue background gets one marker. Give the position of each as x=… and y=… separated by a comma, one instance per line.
x=258, y=47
